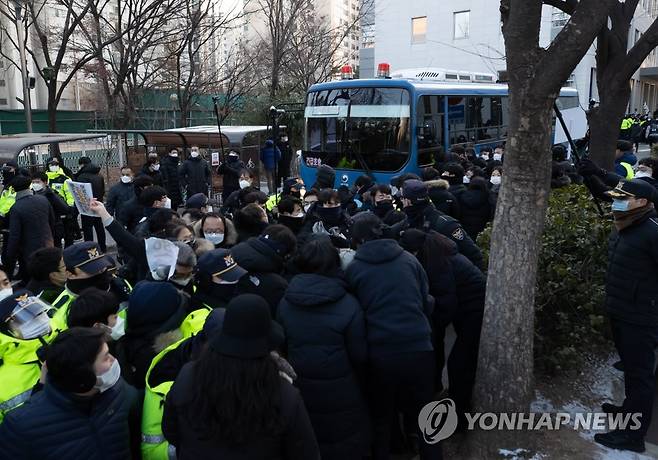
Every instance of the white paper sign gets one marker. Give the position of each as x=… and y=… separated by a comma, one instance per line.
x=215, y=158
x=161, y=256
x=82, y=194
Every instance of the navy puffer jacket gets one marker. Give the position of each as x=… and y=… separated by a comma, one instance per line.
x=57, y=425
x=632, y=278
x=325, y=332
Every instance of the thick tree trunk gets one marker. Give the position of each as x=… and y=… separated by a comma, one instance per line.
x=603, y=120
x=52, y=109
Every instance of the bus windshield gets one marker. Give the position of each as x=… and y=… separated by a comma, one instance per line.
x=357, y=128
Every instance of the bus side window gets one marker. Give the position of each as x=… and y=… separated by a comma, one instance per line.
x=429, y=128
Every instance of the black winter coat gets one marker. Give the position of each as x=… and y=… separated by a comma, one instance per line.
x=326, y=337
x=442, y=199
x=392, y=288
x=632, y=277
x=296, y=442
x=118, y=200
x=60, y=211
x=231, y=170
x=475, y=211
x=59, y=426
x=155, y=175
x=31, y=225
x=90, y=174
x=171, y=179
x=262, y=262
x=194, y=176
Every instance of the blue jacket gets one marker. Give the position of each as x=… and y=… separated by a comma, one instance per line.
x=326, y=338
x=270, y=155
x=627, y=157
x=57, y=425
x=392, y=288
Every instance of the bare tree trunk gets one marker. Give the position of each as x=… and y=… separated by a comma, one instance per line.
x=52, y=107
x=604, y=121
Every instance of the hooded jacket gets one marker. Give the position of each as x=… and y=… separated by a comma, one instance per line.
x=443, y=200
x=119, y=200
x=392, y=288
x=476, y=210
x=270, y=155
x=627, y=157
x=90, y=174
x=262, y=262
x=194, y=176
x=326, y=337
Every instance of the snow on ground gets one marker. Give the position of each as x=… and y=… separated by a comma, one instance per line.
x=519, y=454
x=602, y=384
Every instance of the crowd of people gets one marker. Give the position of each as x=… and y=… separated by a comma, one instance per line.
x=307, y=323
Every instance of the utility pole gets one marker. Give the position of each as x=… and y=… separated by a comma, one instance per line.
x=27, y=105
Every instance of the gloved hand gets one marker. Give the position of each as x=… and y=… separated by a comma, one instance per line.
x=587, y=168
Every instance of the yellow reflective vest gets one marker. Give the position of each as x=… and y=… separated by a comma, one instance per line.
x=154, y=445
x=630, y=174
x=19, y=370
x=7, y=200
x=61, y=305
x=58, y=182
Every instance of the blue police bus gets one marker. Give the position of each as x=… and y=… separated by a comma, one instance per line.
x=385, y=126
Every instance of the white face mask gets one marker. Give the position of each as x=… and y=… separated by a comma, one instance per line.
x=496, y=180
x=300, y=214
x=167, y=203
x=244, y=183
x=156, y=167
x=119, y=329
x=126, y=179
x=173, y=154
x=36, y=187
x=485, y=156
x=467, y=180
x=37, y=327
x=182, y=282
x=498, y=156
x=194, y=154
x=307, y=207
x=53, y=168
x=109, y=378
x=4, y=293
x=214, y=238
x=643, y=174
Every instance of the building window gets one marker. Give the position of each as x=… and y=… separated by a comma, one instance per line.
x=3, y=101
x=419, y=29
x=462, y=22
x=2, y=83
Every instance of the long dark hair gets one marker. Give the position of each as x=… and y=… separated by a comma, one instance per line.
x=236, y=400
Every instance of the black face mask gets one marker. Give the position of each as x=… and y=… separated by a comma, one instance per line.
x=101, y=281
x=331, y=216
x=382, y=208
x=293, y=223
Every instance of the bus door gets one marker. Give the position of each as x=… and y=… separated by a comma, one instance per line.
x=430, y=117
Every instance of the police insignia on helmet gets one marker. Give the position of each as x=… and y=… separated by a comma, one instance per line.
x=458, y=234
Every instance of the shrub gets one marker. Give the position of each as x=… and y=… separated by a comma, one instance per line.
x=571, y=279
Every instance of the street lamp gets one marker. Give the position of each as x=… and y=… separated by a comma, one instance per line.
x=173, y=97
x=27, y=105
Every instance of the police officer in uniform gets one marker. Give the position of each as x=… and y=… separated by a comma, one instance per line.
x=24, y=328
x=422, y=214
x=631, y=297
x=57, y=180
x=86, y=266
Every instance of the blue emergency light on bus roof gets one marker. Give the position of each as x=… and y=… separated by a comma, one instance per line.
x=384, y=127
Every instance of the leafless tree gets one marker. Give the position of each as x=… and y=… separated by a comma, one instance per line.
x=56, y=44
x=505, y=367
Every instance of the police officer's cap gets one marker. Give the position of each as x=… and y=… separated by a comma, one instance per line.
x=636, y=188
x=88, y=257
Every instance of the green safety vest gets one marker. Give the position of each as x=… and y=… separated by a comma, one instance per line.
x=20, y=370
x=630, y=174
x=7, y=200
x=57, y=181
x=154, y=444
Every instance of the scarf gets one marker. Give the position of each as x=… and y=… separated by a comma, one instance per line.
x=626, y=219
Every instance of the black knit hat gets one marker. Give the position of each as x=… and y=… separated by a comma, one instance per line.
x=366, y=226
x=413, y=240
x=154, y=306
x=326, y=177
x=248, y=331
